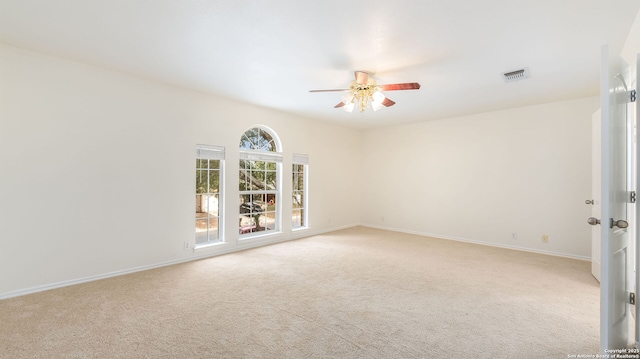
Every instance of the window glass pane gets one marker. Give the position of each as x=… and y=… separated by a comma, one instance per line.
x=271, y=166
x=212, y=205
x=257, y=180
x=257, y=201
x=200, y=163
x=252, y=182
x=201, y=181
x=246, y=225
x=244, y=186
x=213, y=229
x=254, y=137
x=298, y=193
x=296, y=182
x=245, y=142
x=296, y=218
x=269, y=220
x=266, y=137
x=201, y=231
x=214, y=181
x=249, y=224
x=214, y=164
x=271, y=180
x=245, y=203
x=297, y=200
x=201, y=206
x=248, y=207
x=258, y=139
x=271, y=202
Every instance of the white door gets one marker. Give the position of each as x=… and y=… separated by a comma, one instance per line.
x=615, y=313
x=595, y=201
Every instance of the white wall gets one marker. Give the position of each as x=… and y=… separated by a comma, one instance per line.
x=479, y=178
x=97, y=170
x=632, y=44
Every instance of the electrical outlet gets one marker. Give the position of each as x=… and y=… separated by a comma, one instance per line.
x=186, y=245
x=381, y=219
x=514, y=235
x=545, y=238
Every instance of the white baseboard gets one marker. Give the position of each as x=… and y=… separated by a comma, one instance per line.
x=205, y=253
x=298, y=234
x=459, y=239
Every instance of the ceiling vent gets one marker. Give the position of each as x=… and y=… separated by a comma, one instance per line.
x=516, y=75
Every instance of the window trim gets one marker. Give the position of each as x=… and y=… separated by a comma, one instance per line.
x=212, y=152
x=302, y=159
x=266, y=156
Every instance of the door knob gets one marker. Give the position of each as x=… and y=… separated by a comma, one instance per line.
x=620, y=223
x=589, y=201
x=593, y=221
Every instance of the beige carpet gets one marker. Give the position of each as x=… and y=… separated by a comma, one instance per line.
x=355, y=293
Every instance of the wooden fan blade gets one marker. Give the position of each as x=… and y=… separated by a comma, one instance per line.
x=334, y=90
x=362, y=78
x=388, y=102
x=339, y=105
x=404, y=86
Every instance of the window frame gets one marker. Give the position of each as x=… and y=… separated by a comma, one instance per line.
x=268, y=154
x=216, y=153
x=300, y=160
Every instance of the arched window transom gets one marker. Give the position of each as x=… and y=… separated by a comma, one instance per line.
x=258, y=139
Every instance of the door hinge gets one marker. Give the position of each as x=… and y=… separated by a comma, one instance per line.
x=632, y=298
x=632, y=196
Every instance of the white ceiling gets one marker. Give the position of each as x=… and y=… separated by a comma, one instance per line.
x=271, y=53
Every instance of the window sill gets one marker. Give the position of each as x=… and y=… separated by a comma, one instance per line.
x=259, y=235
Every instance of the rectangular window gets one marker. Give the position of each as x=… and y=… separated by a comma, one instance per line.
x=258, y=195
x=299, y=194
x=209, y=166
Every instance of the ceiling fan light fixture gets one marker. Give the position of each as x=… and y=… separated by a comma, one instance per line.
x=376, y=100
x=378, y=96
x=363, y=94
x=364, y=90
x=349, y=107
x=376, y=105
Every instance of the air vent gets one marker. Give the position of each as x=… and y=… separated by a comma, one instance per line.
x=516, y=75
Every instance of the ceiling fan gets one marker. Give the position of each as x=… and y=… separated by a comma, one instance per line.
x=364, y=90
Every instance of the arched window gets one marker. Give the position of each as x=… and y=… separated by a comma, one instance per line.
x=259, y=178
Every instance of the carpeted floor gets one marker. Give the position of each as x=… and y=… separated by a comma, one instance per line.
x=354, y=293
